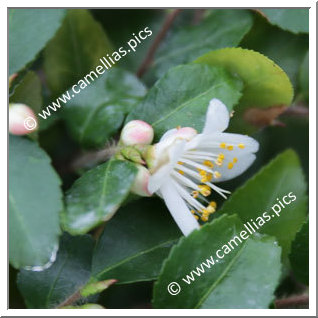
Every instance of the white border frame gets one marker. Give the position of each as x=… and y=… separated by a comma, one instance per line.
x=312, y=159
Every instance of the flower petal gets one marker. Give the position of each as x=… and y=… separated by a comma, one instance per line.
x=217, y=117
x=242, y=164
x=158, y=177
x=178, y=208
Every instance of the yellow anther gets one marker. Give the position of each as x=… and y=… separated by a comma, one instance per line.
x=217, y=174
x=235, y=160
x=223, y=145
x=210, y=209
x=181, y=172
x=230, y=165
x=229, y=147
x=204, y=190
x=241, y=146
x=221, y=156
x=202, y=172
x=195, y=194
x=178, y=127
x=192, y=211
x=196, y=217
x=213, y=204
x=219, y=162
x=208, y=163
x=180, y=163
x=207, y=178
x=204, y=218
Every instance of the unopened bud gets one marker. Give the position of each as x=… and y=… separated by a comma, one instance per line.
x=186, y=133
x=140, y=185
x=22, y=120
x=137, y=132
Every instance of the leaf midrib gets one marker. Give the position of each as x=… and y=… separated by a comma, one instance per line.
x=127, y=259
x=186, y=103
x=221, y=277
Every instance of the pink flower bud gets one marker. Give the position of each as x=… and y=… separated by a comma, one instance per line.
x=186, y=133
x=137, y=132
x=140, y=185
x=22, y=120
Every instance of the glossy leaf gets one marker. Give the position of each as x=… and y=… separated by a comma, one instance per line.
x=285, y=48
x=293, y=19
x=35, y=201
x=135, y=243
x=96, y=195
x=29, y=31
x=182, y=95
x=246, y=277
x=70, y=272
x=280, y=180
x=74, y=51
x=96, y=114
x=299, y=256
x=265, y=83
x=28, y=92
x=221, y=28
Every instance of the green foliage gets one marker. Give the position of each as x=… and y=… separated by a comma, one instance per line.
x=182, y=95
x=97, y=113
x=221, y=28
x=285, y=48
x=75, y=50
x=246, y=276
x=280, y=177
x=299, y=256
x=294, y=20
x=69, y=273
x=265, y=83
x=304, y=77
x=34, y=205
x=28, y=92
x=134, y=243
x=29, y=31
x=97, y=195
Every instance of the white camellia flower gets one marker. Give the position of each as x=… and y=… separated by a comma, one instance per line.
x=185, y=166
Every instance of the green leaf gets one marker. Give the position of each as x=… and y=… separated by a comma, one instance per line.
x=135, y=243
x=28, y=92
x=265, y=83
x=85, y=306
x=74, y=51
x=70, y=272
x=35, y=200
x=221, y=28
x=284, y=48
x=245, y=277
x=96, y=195
x=293, y=19
x=29, y=31
x=304, y=77
x=299, y=256
x=182, y=95
x=97, y=113
x=283, y=176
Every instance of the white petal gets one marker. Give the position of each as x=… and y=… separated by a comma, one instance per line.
x=178, y=208
x=242, y=164
x=217, y=117
x=168, y=133
x=213, y=142
x=158, y=177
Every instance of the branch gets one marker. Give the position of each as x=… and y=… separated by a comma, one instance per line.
x=162, y=33
x=292, y=302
